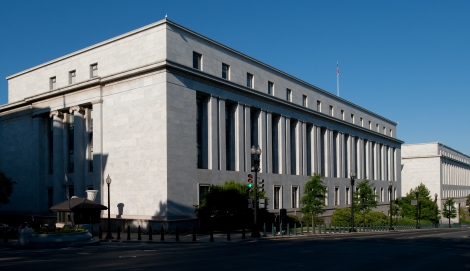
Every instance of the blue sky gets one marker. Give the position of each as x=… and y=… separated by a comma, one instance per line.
x=405, y=60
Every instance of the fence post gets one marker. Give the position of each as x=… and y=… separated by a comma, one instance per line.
x=194, y=233
x=295, y=228
x=288, y=230
x=138, y=234
x=128, y=232
x=177, y=233
x=162, y=233
x=280, y=229
x=150, y=233
x=264, y=229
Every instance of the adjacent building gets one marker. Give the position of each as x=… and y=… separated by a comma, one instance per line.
x=444, y=171
x=166, y=112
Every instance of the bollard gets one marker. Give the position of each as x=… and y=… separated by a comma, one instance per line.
x=288, y=230
x=177, y=233
x=280, y=229
x=273, y=230
x=212, y=235
x=301, y=229
x=128, y=232
x=118, y=233
x=319, y=229
x=101, y=233
x=138, y=234
x=329, y=229
x=243, y=232
x=324, y=228
x=150, y=233
x=162, y=233
x=314, y=230
x=308, y=230
x=264, y=229
x=194, y=233
x=334, y=228
x=295, y=228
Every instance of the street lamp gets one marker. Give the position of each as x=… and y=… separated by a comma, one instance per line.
x=435, y=203
x=390, y=185
x=109, y=235
x=352, y=174
x=255, y=154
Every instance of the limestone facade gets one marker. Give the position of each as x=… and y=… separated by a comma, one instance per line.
x=135, y=108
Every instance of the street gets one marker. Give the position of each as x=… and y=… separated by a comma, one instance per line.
x=430, y=249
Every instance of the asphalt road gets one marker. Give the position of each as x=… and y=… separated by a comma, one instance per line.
x=413, y=250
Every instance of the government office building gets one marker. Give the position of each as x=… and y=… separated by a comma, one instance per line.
x=166, y=112
x=443, y=170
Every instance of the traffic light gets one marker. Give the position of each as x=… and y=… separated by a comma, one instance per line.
x=250, y=181
x=261, y=185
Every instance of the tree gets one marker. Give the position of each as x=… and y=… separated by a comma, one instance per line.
x=468, y=202
x=364, y=198
x=427, y=206
x=6, y=188
x=449, y=209
x=313, y=200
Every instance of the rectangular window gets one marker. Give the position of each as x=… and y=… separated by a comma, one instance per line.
x=93, y=70
x=385, y=130
x=375, y=191
x=90, y=140
x=331, y=111
x=199, y=136
x=391, y=133
x=288, y=95
x=342, y=114
x=377, y=126
x=318, y=106
x=352, y=118
x=225, y=71
x=50, y=197
x=270, y=88
x=382, y=195
x=336, y=195
x=295, y=197
x=203, y=190
x=249, y=80
x=370, y=125
x=326, y=196
x=362, y=122
x=197, y=61
x=395, y=193
x=348, y=195
x=72, y=77
x=229, y=136
x=277, y=197
x=52, y=82
x=71, y=143
x=304, y=101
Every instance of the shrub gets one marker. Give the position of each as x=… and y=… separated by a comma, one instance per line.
x=406, y=220
x=292, y=219
x=307, y=220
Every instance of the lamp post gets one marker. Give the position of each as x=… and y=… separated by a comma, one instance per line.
x=255, y=154
x=352, y=175
x=417, y=209
x=390, y=185
x=435, y=209
x=109, y=235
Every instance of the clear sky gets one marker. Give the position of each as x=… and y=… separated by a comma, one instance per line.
x=405, y=60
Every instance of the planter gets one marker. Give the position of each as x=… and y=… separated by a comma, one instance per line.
x=56, y=240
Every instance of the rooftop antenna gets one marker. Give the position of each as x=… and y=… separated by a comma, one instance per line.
x=166, y=16
x=337, y=78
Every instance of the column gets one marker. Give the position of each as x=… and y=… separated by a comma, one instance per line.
x=318, y=138
x=288, y=152
x=352, y=153
x=97, y=148
x=282, y=144
x=262, y=140
x=239, y=139
x=58, y=165
x=222, y=136
x=79, y=151
x=327, y=152
x=398, y=165
x=299, y=148
x=360, y=174
x=304, y=148
x=313, y=149
x=269, y=142
x=247, y=138
x=368, y=160
x=213, y=134
x=341, y=155
x=38, y=190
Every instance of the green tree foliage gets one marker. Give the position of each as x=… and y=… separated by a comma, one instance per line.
x=6, y=188
x=364, y=199
x=228, y=199
x=468, y=202
x=342, y=216
x=307, y=220
x=427, y=206
x=452, y=213
x=313, y=200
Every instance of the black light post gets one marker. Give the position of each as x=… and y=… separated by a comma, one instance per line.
x=435, y=207
x=352, y=174
x=417, y=209
x=390, y=186
x=255, y=154
x=109, y=235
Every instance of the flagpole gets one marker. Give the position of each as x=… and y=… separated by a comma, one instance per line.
x=337, y=78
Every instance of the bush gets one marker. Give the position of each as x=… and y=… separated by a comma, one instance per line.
x=342, y=216
x=307, y=220
x=406, y=220
x=293, y=219
x=374, y=217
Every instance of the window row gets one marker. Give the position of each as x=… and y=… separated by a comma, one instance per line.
x=72, y=76
x=197, y=64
